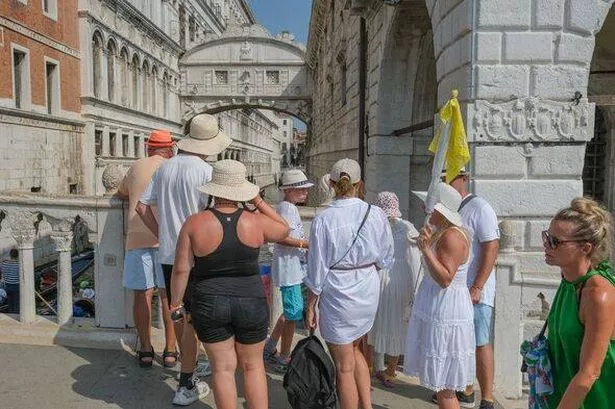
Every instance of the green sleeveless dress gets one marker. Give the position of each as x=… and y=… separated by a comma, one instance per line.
x=565, y=337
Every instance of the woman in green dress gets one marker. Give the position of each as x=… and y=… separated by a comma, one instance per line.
x=581, y=323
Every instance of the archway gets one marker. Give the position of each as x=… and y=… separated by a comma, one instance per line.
x=407, y=97
x=599, y=165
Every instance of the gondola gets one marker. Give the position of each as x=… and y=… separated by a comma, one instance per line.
x=47, y=274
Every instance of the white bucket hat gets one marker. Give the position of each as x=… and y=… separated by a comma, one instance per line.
x=295, y=179
x=448, y=202
x=345, y=166
x=229, y=181
x=205, y=137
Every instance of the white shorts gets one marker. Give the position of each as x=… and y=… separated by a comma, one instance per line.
x=142, y=270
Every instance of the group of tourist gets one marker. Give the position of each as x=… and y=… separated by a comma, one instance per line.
x=426, y=293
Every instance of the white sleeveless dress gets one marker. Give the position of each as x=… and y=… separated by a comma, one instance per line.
x=440, y=346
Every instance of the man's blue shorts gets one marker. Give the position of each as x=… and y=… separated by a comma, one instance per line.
x=483, y=324
x=292, y=302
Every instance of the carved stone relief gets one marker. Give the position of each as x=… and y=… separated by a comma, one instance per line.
x=111, y=178
x=530, y=119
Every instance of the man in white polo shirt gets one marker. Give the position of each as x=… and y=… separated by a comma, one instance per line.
x=173, y=190
x=481, y=221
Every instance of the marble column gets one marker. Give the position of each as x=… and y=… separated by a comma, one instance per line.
x=23, y=232
x=131, y=144
x=63, y=241
x=119, y=138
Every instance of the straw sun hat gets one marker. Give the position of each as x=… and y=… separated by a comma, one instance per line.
x=205, y=137
x=229, y=182
x=448, y=201
x=295, y=179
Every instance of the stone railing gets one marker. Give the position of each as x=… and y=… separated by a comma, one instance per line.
x=31, y=221
x=521, y=306
x=28, y=219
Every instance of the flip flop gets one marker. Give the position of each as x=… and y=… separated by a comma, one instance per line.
x=384, y=380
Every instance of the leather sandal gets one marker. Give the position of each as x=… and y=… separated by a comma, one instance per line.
x=167, y=354
x=145, y=354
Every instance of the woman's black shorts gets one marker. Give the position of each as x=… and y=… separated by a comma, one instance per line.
x=217, y=318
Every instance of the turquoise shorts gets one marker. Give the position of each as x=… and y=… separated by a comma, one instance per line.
x=292, y=302
x=483, y=323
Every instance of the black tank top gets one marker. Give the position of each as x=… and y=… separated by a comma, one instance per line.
x=231, y=269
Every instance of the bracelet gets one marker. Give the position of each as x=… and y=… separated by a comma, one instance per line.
x=477, y=288
x=175, y=307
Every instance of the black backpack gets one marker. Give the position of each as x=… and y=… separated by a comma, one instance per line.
x=310, y=378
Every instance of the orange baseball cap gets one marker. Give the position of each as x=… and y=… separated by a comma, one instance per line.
x=160, y=138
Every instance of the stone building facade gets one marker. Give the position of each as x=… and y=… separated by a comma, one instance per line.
x=535, y=80
x=39, y=59
x=130, y=74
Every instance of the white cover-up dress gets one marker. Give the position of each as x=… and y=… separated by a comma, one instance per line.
x=349, y=292
x=397, y=287
x=440, y=347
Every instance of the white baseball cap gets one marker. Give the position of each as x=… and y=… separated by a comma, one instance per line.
x=348, y=167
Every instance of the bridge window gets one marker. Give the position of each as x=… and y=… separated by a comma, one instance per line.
x=272, y=77
x=222, y=77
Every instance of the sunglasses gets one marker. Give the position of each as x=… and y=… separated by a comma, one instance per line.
x=553, y=242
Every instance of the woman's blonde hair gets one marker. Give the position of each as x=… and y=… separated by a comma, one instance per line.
x=593, y=224
x=344, y=187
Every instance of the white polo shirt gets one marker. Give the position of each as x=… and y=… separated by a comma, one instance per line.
x=173, y=189
x=482, y=223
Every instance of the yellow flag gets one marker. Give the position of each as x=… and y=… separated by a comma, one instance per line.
x=457, y=152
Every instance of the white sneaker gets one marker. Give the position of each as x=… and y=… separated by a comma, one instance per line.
x=185, y=396
x=203, y=369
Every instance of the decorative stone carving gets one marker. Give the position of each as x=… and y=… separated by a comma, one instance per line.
x=245, y=52
x=23, y=228
x=530, y=119
x=111, y=178
x=62, y=240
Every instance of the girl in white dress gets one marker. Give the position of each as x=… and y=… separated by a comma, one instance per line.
x=342, y=276
x=397, y=285
x=440, y=344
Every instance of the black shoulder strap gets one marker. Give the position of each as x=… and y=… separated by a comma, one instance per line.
x=369, y=207
x=465, y=201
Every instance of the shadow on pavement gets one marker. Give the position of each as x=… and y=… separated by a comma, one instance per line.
x=115, y=378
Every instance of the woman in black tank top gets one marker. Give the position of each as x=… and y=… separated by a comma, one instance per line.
x=216, y=271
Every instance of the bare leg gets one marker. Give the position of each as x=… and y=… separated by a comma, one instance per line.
x=344, y=357
x=223, y=360
x=362, y=378
x=287, y=337
x=447, y=400
x=189, y=347
x=169, y=328
x=392, y=366
x=254, y=378
x=484, y=371
x=277, y=329
x=142, y=310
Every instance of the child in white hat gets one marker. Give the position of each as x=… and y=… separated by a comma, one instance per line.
x=287, y=267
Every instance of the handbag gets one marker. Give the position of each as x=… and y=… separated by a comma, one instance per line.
x=537, y=365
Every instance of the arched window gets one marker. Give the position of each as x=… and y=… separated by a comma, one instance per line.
x=154, y=90
x=165, y=95
x=135, y=81
x=111, y=59
x=97, y=55
x=145, y=87
x=125, y=76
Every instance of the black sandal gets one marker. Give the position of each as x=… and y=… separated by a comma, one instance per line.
x=166, y=354
x=145, y=354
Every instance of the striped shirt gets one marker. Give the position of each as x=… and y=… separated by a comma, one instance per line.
x=10, y=271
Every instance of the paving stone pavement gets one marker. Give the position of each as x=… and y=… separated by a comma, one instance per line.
x=43, y=377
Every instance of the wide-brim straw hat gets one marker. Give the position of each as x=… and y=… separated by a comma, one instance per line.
x=229, y=182
x=205, y=137
x=448, y=202
x=295, y=179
